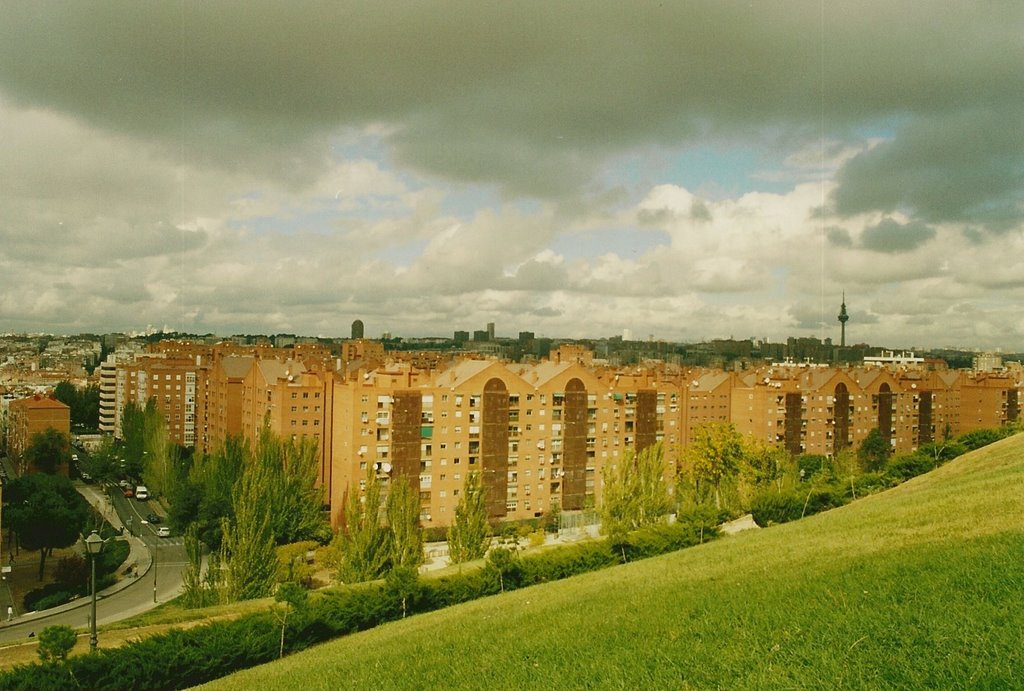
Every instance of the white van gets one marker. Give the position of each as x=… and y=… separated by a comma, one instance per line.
x=141, y=493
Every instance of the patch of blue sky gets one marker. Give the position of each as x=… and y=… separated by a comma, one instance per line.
x=626, y=242
x=464, y=201
x=715, y=172
x=403, y=254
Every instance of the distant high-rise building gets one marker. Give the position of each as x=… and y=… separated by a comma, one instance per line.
x=461, y=336
x=843, y=318
x=526, y=336
x=490, y=331
x=480, y=335
x=357, y=328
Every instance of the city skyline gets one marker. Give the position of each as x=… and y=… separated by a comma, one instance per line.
x=691, y=172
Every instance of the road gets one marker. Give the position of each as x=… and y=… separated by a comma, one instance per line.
x=160, y=562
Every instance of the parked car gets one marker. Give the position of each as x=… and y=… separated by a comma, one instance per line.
x=141, y=493
x=152, y=517
x=123, y=484
x=128, y=492
x=163, y=531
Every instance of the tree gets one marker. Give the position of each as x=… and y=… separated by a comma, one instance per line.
x=469, y=533
x=249, y=542
x=403, y=583
x=294, y=599
x=362, y=542
x=55, y=642
x=403, y=514
x=715, y=454
x=133, y=427
x=160, y=462
x=46, y=512
x=84, y=403
x=292, y=467
x=102, y=462
x=634, y=494
x=873, y=451
x=766, y=464
x=48, y=450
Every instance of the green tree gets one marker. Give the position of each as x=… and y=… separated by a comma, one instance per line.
x=873, y=452
x=55, y=642
x=48, y=450
x=634, y=494
x=133, y=431
x=469, y=534
x=251, y=559
x=102, y=462
x=292, y=468
x=160, y=462
x=715, y=454
x=403, y=514
x=84, y=403
x=362, y=542
x=294, y=599
x=766, y=464
x=403, y=583
x=46, y=512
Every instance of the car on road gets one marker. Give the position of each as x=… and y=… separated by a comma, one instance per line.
x=153, y=518
x=128, y=492
x=163, y=531
x=141, y=493
x=123, y=484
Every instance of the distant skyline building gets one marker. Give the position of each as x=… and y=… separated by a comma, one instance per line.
x=490, y=331
x=357, y=328
x=843, y=318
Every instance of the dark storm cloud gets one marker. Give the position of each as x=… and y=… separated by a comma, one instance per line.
x=966, y=166
x=529, y=95
x=892, y=236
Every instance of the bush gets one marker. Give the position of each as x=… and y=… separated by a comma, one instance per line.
x=869, y=483
x=781, y=507
x=907, y=466
x=768, y=508
x=55, y=642
x=72, y=572
x=980, y=437
x=110, y=559
x=814, y=464
x=50, y=595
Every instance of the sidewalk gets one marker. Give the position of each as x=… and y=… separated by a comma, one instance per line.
x=139, y=555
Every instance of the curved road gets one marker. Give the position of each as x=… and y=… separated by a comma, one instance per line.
x=160, y=562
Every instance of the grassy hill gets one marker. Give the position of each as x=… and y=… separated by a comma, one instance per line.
x=920, y=586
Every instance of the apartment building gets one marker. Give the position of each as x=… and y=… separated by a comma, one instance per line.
x=176, y=386
x=539, y=434
x=29, y=416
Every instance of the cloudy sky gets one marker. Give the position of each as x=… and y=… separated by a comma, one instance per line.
x=686, y=170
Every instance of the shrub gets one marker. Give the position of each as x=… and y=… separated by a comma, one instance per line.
x=781, y=507
x=113, y=555
x=772, y=507
x=50, y=595
x=906, y=466
x=814, y=464
x=55, y=642
x=72, y=572
x=869, y=483
x=980, y=437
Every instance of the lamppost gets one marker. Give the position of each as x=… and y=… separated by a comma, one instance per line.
x=94, y=545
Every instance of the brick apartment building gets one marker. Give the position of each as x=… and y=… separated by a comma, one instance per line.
x=29, y=416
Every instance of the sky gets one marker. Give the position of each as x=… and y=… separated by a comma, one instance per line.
x=683, y=170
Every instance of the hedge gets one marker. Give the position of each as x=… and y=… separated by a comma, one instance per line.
x=183, y=658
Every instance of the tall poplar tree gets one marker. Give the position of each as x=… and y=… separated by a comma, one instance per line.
x=468, y=536
x=403, y=512
x=249, y=541
x=363, y=543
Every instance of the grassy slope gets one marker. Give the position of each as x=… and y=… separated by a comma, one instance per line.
x=921, y=586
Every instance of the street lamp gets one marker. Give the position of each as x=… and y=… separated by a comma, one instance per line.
x=94, y=545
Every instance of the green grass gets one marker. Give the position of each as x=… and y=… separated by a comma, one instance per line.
x=918, y=587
